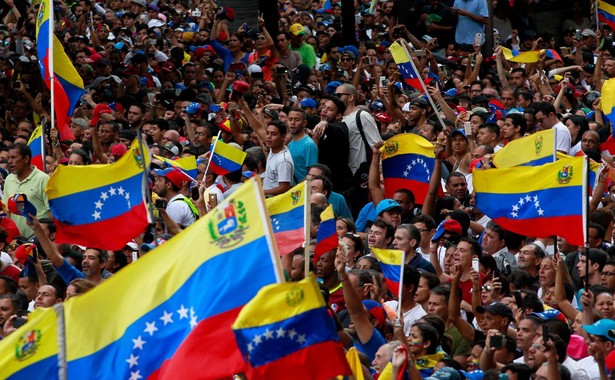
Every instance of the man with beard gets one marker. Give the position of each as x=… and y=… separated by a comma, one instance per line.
x=331, y=136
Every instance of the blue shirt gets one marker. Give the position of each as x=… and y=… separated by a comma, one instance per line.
x=340, y=208
x=367, y=214
x=226, y=55
x=371, y=346
x=305, y=154
x=466, y=27
x=68, y=272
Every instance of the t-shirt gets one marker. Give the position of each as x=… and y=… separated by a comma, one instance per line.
x=370, y=347
x=357, y=153
x=333, y=151
x=292, y=61
x=340, y=207
x=34, y=188
x=410, y=316
x=466, y=27
x=307, y=53
x=460, y=346
x=563, y=138
x=280, y=168
x=305, y=154
x=179, y=211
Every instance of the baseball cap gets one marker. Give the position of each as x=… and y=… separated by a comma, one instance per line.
x=377, y=105
x=139, y=2
x=449, y=225
x=296, y=29
x=24, y=251
x=376, y=310
x=444, y=373
x=588, y=33
x=309, y=102
x=474, y=375
x=19, y=204
x=388, y=205
x=419, y=102
x=499, y=308
x=175, y=175
x=332, y=86
x=603, y=328
x=146, y=247
x=172, y=148
x=459, y=132
x=272, y=113
x=383, y=118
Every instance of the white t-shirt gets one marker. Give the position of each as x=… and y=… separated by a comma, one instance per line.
x=577, y=371
x=357, y=153
x=179, y=211
x=280, y=168
x=563, y=139
x=410, y=316
x=591, y=367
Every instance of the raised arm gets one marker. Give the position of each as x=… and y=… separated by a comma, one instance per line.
x=374, y=175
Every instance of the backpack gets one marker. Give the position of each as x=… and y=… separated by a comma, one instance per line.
x=191, y=205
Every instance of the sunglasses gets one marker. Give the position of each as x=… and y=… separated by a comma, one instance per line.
x=347, y=60
x=12, y=247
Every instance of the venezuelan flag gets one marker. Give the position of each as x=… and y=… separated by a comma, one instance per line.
x=533, y=150
x=528, y=200
x=186, y=164
x=326, y=237
x=226, y=158
x=523, y=57
x=31, y=352
x=607, y=101
x=407, y=163
x=405, y=66
x=392, y=264
x=287, y=213
x=287, y=329
x=606, y=12
x=100, y=205
x=36, y=146
x=68, y=85
x=165, y=323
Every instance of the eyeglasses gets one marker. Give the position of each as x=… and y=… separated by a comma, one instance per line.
x=341, y=94
x=347, y=60
x=607, y=274
x=540, y=120
x=486, y=288
x=421, y=230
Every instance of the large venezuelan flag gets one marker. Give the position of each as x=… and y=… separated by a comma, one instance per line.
x=287, y=329
x=606, y=12
x=326, y=237
x=533, y=150
x=226, y=158
x=529, y=56
x=36, y=146
x=186, y=164
x=392, y=264
x=405, y=66
x=607, y=101
x=407, y=163
x=68, y=85
x=287, y=213
x=31, y=352
x=170, y=313
x=100, y=205
x=537, y=201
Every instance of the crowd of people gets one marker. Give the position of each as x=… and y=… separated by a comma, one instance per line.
x=302, y=101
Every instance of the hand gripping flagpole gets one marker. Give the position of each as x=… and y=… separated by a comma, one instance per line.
x=420, y=78
x=307, y=216
x=585, y=192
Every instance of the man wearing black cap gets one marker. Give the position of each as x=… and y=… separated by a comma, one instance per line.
x=415, y=113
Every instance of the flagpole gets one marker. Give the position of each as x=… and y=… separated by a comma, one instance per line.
x=50, y=65
x=420, y=78
x=145, y=185
x=43, y=143
x=307, y=215
x=401, y=284
x=211, y=154
x=586, y=169
x=596, y=14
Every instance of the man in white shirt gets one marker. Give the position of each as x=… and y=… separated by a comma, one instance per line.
x=547, y=118
x=411, y=310
x=168, y=184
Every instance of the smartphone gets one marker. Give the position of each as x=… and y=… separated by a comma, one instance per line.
x=257, y=75
x=518, y=298
x=196, y=13
x=442, y=72
x=545, y=335
x=18, y=322
x=194, y=193
x=467, y=128
x=366, y=60
x=135, y=256
x=565, y=50
x=476, y=264
x=213, y=200
x=420, y=53
x=497, y=341
x=161, y=203
x=384, y=82
x=577, y=34
x=478, y=39
x=152, y=41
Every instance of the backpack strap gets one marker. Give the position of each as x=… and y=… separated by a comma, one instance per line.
x=368, y=150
